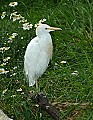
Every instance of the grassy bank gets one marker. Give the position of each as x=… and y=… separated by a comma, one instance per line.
x=68, y=85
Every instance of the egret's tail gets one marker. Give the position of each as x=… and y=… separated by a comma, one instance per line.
x=31, y=81
x=28, y=75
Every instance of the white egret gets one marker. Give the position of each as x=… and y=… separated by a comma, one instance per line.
x=38, y=53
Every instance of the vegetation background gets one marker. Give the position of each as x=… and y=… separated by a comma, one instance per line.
x=68, y=85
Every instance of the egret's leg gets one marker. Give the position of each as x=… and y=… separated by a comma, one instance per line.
x=36, y=84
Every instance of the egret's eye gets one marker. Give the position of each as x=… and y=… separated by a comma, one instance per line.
x=46, y=29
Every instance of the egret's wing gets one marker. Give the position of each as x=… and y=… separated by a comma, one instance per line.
x=30, y=60
x=36, y=60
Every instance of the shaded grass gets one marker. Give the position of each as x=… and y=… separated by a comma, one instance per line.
x=74, y=45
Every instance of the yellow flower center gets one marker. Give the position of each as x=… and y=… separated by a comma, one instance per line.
x=11, y=37
x=3, y=14
x=1, y=70
x=13, y=3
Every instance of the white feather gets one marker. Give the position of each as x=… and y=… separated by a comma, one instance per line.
x=37, y=57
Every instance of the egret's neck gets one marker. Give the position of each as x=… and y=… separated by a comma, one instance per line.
x=43, y=35
x=46, y=36
x=44, y=39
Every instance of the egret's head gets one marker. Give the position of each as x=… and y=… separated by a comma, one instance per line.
x=45, y=29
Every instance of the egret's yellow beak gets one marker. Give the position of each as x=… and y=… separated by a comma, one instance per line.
x=53, y=28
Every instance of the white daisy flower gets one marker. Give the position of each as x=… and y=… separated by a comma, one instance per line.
x=22, y=38
x=11, y=37
x=14, y=16
x=14, y=74
x=56, y=63
x=2, y=71
x=42, y=20
x=15, y=67
x=27, y=26
x=4, y=48
x=6, y=59
x=3, y=64
x=4, y=91
x=1, y=49
x=23, y=20
x=22, y=93
x=7, y=48
x=3, y=15
x=13, y=4
x=14, y=34
x=19, y=90
x=13, y=96
x=36, y=25
x=75, y=73
x=63, y=62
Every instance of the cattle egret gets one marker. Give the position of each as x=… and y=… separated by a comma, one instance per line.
x=38, y=53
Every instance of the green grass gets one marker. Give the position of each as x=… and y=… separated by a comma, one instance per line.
x=74, y=44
